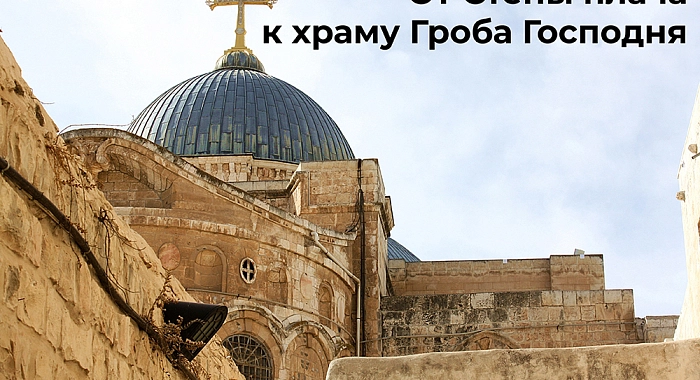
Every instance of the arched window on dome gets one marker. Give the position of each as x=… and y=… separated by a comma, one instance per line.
x=251, y=357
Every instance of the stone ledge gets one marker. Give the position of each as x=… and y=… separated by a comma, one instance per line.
x=676, y=360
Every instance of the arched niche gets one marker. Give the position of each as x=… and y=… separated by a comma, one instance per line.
x=278, y=284
x=307, y=357
x=325, y=300
x=209, y=266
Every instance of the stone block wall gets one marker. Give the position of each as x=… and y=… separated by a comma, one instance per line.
x=123, y=190
x=209, y=228
x=326, y=194
x=577, y=272
x=298, y=298
x=456, y=277
x=535, y=319
x=559, y=272
x=56, y=319
x=658, y=329
x=294, y=276
x=677, y=360
x=243, y=168
x=275, y=193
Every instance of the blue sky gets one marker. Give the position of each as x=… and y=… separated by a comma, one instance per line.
x=488, y=151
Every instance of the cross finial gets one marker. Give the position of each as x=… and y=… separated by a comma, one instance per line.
x=240, y=24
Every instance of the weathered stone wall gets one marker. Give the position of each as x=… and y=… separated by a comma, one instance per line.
x=57, y=322
x=536, y=319
x=243, y=168
x=297, y=294
x=326, y=193
x=661, y=361
x=658, y=329
x=577, y=272
x=689, y=195
x=265, y=179
x=559, y=272
x=126, y=191
x=469, y=276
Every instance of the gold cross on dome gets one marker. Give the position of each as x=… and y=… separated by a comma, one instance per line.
x=240, y=24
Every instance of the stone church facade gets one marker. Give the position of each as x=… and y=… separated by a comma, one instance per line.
x=252, y=198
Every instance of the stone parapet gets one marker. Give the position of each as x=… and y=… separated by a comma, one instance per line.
x=677, y=360
x=577, y=272
x=535, y=319
x=559, y=272
x=243, y=168
x=658, y=329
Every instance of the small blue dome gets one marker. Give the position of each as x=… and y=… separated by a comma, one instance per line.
x=235, y=110
x=396, y=251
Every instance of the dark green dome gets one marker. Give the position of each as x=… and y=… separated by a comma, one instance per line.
x=241, y=110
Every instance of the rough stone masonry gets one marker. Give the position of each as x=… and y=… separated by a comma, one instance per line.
x=56, y=321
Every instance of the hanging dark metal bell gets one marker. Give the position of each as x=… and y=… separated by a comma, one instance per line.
x=199, y=322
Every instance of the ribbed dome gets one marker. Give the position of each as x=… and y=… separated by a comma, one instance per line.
x=241, y=111
x=396, y=251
